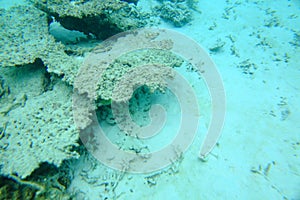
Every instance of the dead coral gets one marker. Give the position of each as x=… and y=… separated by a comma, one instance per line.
x=38, y=129
x=26, y=39
x=100, y=18
x=178, y=14
x=127, y=63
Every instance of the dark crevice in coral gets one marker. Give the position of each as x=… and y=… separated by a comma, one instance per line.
x=4, y=89
x=131, y=1
x=47, y=82
x=9, y=189
x=96, y=25
x=51, y=181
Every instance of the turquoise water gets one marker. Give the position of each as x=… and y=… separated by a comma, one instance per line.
x=205, y=105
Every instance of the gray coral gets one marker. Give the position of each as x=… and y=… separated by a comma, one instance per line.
x=123, y=62
x=39, y=126
x=126, y=64
x=36, y=122
x=178, y=14
x=26, y=39
x=100, y=18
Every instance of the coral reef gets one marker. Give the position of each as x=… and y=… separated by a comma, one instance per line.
x=39, y=45
x=122, y=71
x=100, y=18
x=126, y=63
x=37, y=76
x=36, y=120
x=177, y=13
x=114, y=82
x=19, y=25
x=25, y=39
x=37, y=124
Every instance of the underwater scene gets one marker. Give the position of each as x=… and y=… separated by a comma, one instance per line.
x=149, y=99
